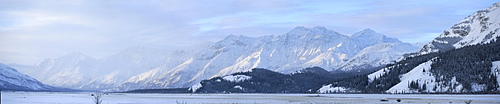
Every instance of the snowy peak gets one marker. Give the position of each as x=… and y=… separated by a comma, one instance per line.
x=479, y=28
x=377, y=55
x=317, y=31
x=369, y=35
x=235, y=37
x=234, y=40
x=65, y=71
x=310, y=37
x=363, y=39
x=65, y=63
x=365, y=32
x=75, y=57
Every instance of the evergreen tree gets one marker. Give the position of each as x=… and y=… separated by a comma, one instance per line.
x=424, y=87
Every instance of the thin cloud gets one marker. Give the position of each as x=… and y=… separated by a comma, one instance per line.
x=33, y=30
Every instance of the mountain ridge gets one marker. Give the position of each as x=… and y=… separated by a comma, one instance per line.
x=142, y=67
x=11, y=79
x=463, y=59
x=484, y=23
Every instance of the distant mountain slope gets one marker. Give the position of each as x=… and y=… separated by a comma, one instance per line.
x=378, y=55
x=10, y=79
x=300, y=48
x=68, y=71
x=117, y=68
x=478, y=28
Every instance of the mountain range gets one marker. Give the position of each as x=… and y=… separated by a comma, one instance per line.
x=140, y=67
x=463, y=59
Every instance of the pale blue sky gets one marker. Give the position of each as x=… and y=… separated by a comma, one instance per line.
x=31, y=30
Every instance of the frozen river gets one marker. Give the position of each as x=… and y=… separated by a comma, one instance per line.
x=128, y=98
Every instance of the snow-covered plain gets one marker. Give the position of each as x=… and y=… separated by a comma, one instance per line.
x=128, y=98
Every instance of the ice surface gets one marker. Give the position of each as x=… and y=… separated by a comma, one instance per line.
x=125, y=98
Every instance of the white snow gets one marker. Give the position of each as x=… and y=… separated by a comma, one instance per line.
x=477, y=87
x=124, y=98
x=300, y=48
x=417, y=74
x=479, y=33
x=141, y=67
x=378, y=74
x=10, y=76
x=380, y=54
x=236, y=78
x=238, y=87
x=495, y=70
x=195, y=87
x=479, y=28
x=330, y=89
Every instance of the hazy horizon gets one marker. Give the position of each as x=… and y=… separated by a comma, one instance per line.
x=31, y=31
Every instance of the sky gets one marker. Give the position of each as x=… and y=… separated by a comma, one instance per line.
x=32, y=30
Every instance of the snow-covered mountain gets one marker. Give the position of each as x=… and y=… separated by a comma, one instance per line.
x=115, y=69
x=360, y=40
x=378, y=55
x=140, y=67
x=241, y=53
x=463, y=59
x=481, y=27
x=69, y=71
x=478, y=28
x=80, y=71
x=11, y=79
x=300, y=48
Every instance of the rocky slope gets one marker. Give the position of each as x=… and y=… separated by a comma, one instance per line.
x=11, y=79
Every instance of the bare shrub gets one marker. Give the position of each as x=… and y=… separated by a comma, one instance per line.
x=97, y=98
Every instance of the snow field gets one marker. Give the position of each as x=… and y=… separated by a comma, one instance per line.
x=495, y=70
x=127, y=98
x=236, y=78
x=416, y=74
